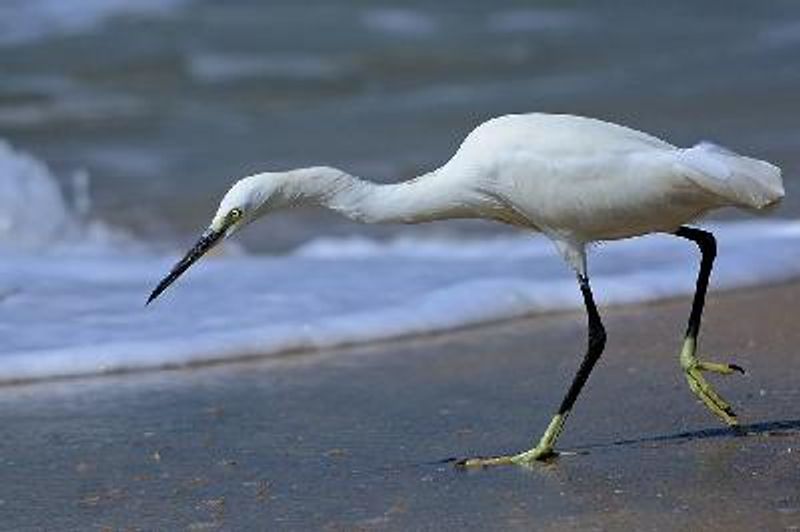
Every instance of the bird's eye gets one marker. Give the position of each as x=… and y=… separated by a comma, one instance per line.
x=235, y=214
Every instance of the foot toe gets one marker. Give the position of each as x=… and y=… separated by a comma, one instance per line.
x=737, y=367
x=470, y=463
x=713, y=401
x=527, y=458
x=716, y=367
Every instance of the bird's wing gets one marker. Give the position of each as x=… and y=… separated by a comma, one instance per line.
x=555, y=136
x=744, y=181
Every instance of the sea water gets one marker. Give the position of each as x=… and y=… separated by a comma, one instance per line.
x=123, y=121
x=72, y=290
x=165, y=102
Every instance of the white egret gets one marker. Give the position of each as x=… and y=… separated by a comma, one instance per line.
x=577, y=180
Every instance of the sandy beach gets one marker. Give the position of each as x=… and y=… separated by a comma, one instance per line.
x=360, y=438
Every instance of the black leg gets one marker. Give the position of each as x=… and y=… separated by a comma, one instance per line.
x=708, y=250
x=691, y=365
x=596, y=344
x=545, y=447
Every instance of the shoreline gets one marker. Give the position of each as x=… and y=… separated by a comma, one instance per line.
x=356, y=438
x=369, y=344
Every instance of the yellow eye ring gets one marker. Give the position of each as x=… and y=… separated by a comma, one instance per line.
x=235, y=214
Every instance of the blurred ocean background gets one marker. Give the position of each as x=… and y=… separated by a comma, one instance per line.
x=122, y=122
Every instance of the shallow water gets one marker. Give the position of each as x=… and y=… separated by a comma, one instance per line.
x=165, y=102
x=124, y=121
x=72, y=293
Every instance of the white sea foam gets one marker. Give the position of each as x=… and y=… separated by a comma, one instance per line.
x=35, y=217
x=24, y=21
x=73, y=105
x=399, y=21
x=85, y=315
x=67, y=313
x=534, y=19
x=782, y=35
x=216, y=67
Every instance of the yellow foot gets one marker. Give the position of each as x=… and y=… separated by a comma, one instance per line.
x=542, y=452
x=694, y=368
x=528, y=458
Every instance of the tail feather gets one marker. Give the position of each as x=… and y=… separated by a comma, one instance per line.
x=742, y=181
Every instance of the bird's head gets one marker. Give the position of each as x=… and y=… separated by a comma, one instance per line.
x=247, y=200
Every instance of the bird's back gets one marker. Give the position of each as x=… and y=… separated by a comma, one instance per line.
x=557, y=135
x=583, y=178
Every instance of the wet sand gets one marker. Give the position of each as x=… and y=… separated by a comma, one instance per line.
x=356, y=439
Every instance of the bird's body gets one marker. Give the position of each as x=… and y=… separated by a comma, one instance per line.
x=584, y=180
x=577, y=180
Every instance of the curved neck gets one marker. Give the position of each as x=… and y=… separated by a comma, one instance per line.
x=429, y=197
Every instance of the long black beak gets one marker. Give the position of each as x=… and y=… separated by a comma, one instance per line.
x=206, y=242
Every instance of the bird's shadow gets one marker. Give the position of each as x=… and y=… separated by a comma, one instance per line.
x=786, y=427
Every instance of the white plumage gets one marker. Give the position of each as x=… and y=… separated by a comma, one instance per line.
x=580, y=180
x=577, y=180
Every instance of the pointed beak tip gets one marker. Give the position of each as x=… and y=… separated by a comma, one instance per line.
x=206, y=242
x=152, y=297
